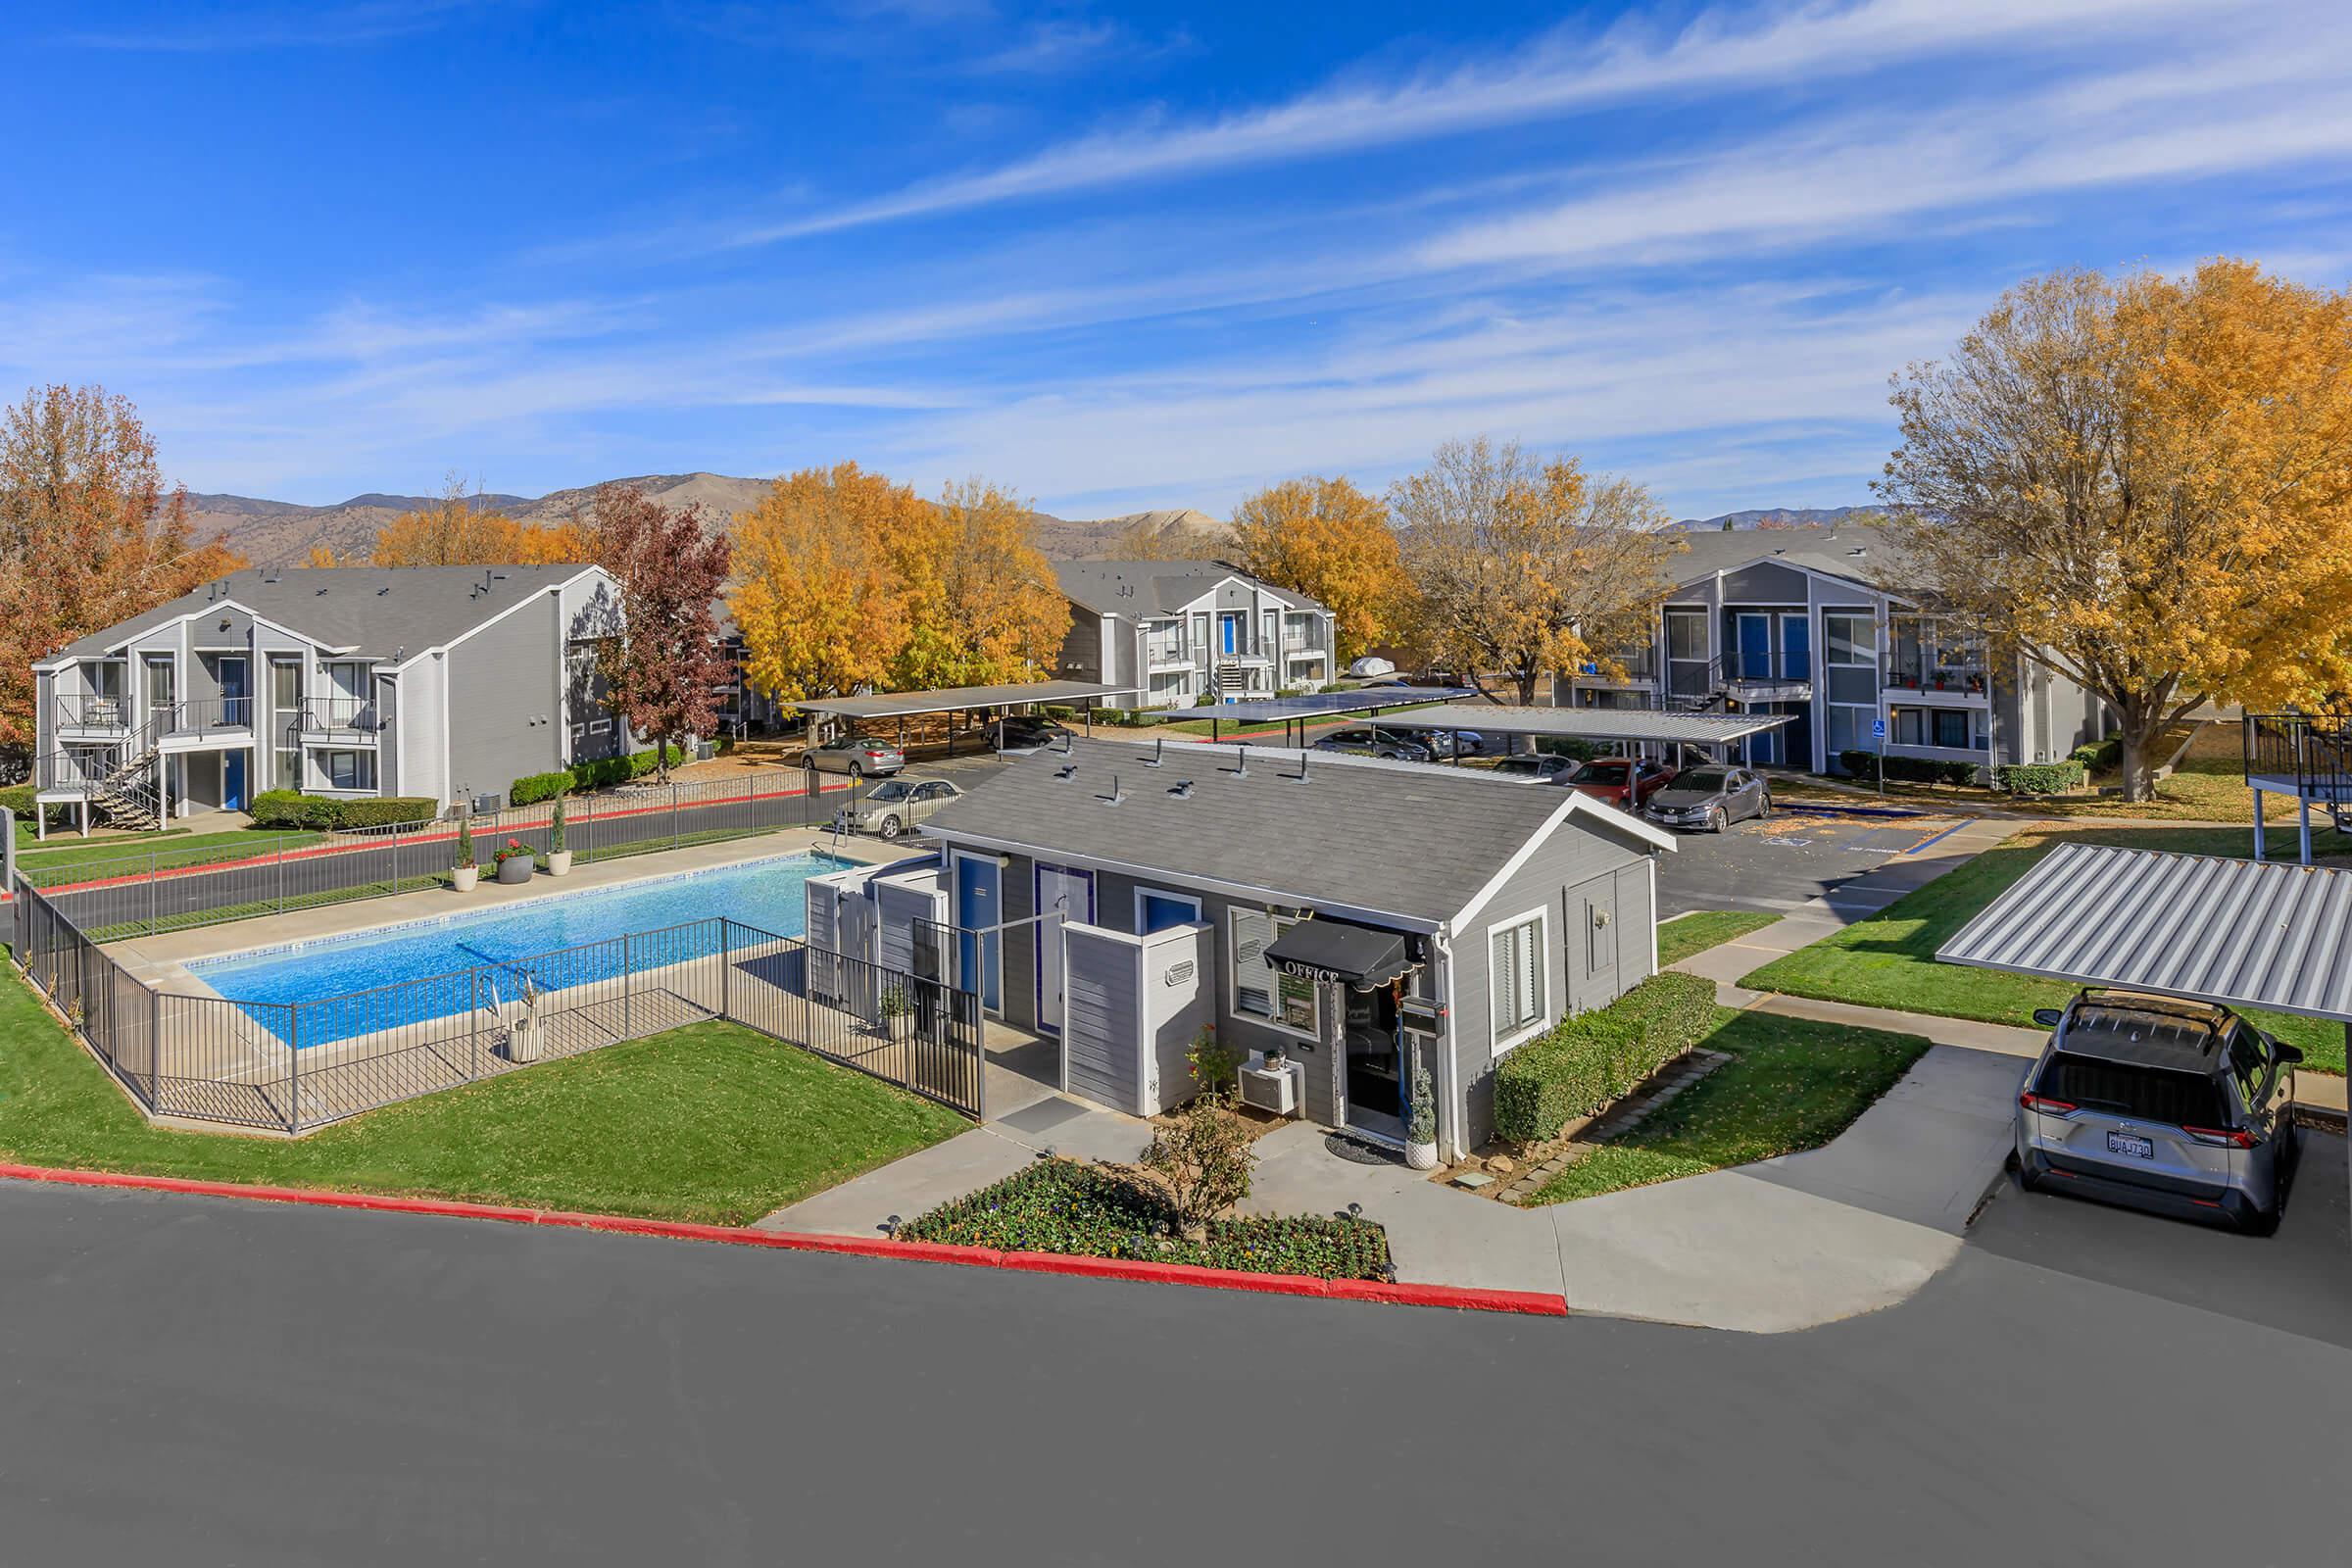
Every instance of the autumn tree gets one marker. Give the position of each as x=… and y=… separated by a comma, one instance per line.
x=820, y=593
x=662, y=672
x=89, y=534
x=459, y=529
x=1327, y=539
x=2141, y=484
x=983, y=608
x=1521, y=567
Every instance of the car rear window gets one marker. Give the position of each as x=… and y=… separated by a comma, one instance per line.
x=1709, y=782
x=2146, y=1094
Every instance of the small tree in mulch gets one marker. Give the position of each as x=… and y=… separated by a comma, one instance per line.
x=1204, y=1158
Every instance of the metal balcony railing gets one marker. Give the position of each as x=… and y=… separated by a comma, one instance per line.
x=1928, y=675
x=2314, y=750
x=84, y=711
x=341, y=716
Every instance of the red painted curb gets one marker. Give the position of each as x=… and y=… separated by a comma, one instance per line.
x=1135, y=1270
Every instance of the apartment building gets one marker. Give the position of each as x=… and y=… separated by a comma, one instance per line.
x=1179, y=630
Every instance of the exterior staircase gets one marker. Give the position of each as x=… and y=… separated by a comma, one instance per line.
x=117, y=777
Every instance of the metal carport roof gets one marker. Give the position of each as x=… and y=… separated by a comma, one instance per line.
x=954, y=699
x=2243, y=933
x=1591, y=724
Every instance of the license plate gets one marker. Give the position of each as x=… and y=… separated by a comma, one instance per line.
x=2126, y=1143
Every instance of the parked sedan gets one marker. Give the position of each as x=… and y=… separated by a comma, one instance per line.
x=1628, y=782
x=2181, y=1107
x=1712, y=797
x=1022, y=734
x=1365, y=741
x=855, y=756
x=896, y=806
x=1536, y=769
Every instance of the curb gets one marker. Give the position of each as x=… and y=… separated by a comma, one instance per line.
x=1460, y=1297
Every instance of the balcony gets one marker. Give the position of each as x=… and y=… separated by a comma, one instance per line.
x=1635, y=668
x=205, y=719
x=1166, y=653
x=346, y=719
x=87, y=715
x=1765, y=675
x=1925, y=681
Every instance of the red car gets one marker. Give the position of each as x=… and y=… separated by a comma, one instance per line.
x=1625, y=782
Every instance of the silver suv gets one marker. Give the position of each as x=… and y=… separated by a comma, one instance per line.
x=2182, y=1107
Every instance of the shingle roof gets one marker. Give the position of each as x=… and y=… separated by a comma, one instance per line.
x=1396, y=838
x=1824, y=549
x=374, y=610
x=1154, y=587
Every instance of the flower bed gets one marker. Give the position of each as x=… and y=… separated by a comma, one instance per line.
x=1058, y=1205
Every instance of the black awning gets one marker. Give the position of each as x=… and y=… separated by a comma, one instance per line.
x=1340, y=950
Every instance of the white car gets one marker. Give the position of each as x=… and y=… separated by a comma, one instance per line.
x=894, y=805
x=1370, y=666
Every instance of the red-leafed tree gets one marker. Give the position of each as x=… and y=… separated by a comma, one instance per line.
x=662, y=671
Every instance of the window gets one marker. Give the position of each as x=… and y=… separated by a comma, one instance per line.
x=1851, y=637
x=285, y=688
x=600, y=726
x=349, y=770
x=289, y=770
x=1686, y=634
x=1517, y=978
x=1280, y=1001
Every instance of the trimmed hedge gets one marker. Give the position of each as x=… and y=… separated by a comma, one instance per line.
x=1596, y=1057
x=1911, y=769
x=284, y=808
x=1058, y=1205
x=533, y=788
x=2101, y=757
x=1566, y=745
x=2038, y=778
x=609, y=771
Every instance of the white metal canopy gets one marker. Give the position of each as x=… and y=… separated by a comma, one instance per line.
x=2238, y=932
x=955, y=698
x=1653, y=724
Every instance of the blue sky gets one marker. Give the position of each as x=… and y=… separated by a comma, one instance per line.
x=1113, y=257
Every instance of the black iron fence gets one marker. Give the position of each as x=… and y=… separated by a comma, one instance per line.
x=168, y=888
x=300, y=1065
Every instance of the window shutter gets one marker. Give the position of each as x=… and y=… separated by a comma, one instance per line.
x=1253, y=976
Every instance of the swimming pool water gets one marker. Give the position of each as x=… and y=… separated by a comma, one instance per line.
x=765, y=894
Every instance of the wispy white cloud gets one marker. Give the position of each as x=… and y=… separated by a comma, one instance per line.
x=342, y=26
x=1563, y=73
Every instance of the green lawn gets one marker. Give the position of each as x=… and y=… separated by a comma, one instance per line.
x=712, y=1123
x=1888, y=960
x=1791, y=1084
x=130, y=852
x=1686, y=934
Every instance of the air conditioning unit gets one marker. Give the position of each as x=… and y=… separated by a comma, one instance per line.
x=487, y=804
x=1273, y=1089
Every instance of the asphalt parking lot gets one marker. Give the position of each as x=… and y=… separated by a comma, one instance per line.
x=1785, y=862
x=2298, y=1281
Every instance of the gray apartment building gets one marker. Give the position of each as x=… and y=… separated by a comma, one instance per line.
x=1792, y=621
x=1178, y=630
x=444, y=682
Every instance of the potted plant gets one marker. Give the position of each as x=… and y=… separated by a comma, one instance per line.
x=465, y=873
x=1421, y=1123
x=516, y=861
x=559, y=858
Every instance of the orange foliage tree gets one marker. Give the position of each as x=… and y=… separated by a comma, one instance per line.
x=89, y=535
x=2144, y=485
x=1327, y=539
x=458, y=530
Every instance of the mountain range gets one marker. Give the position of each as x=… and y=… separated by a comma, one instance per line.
x=280, y=533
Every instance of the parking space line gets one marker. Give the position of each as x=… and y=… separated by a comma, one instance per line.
x=1932, y=837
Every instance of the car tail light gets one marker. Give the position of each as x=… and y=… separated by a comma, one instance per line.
x=2045, y=1105
x=2223, y=1137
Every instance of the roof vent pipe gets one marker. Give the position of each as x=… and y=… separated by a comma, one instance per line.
x=1117, y=795
x=1298, y=777
x=1182, y=789
x=1159, y=744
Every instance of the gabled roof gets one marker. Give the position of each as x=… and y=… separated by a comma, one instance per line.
x=376, y=611
x=1157, y=587
x=1411, y=841
x=1854, y=555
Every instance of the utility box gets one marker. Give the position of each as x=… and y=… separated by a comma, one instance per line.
x=1132, y=1006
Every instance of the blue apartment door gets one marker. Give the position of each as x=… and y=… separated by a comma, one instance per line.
x=979, y=908
x=232, y=781
x=1229, y=633
x=236, y=696
x=1755, y=647
x=1796, y=648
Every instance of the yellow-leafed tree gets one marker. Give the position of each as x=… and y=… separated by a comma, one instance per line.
x=983, y=607
x=1327, y=539
x=820, y=596
x=458, y=530
x=2142, y=485
x=1520, y=566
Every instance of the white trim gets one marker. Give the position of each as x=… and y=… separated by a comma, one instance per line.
x=1168, y=894
x=1248, y=893
x=1233, y=990
x=1578, y=804
x=1542, y=916
x=1654, y=922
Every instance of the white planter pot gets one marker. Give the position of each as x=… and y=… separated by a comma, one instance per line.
x=464, y=877
x=1421, y=1157
x=523, y=1041
x=559, y=863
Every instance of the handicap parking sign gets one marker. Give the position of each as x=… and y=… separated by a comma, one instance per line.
x=1878, y=729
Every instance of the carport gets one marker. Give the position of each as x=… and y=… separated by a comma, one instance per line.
x=1648, y=726
x=955, y=700
x=1304, y=711
x=2239, y=933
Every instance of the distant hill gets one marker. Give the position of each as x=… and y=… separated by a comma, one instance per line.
x=280, y=533
x=1777, y=517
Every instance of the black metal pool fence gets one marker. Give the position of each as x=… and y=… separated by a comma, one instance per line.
x=294, y=1066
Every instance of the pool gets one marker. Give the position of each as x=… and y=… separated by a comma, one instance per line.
x=765, y=892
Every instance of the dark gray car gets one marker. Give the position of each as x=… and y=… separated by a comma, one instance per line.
x=1710, y=797
x=1366, y=741
x=2183, y=1107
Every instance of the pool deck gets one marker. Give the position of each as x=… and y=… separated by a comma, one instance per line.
x=161, y=960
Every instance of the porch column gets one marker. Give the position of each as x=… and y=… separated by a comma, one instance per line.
x=2260, y=850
